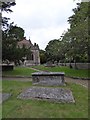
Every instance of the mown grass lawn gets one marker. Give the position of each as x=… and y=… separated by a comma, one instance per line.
x=27, y=71
x=68, y=72
x=16, y=108
x=19, y=71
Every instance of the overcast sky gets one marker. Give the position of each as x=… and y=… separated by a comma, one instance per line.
x=42, y=20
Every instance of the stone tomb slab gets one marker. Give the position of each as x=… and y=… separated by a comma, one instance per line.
x=48, y=78
x=50, y=94
x=4, y=96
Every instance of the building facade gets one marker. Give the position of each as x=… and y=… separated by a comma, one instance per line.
x=34, y=58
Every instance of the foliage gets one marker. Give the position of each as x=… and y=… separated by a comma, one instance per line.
x=17, y=32
x=79, y=32
x=10, y=37
x=5, y=6
x=11, y=34
x=73, y=46
x=54, y=50
x=42, y=56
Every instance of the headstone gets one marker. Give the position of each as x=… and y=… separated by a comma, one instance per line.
x=49, y=64
x=55, y=63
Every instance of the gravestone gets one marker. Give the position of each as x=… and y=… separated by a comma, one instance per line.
x=55, y=63
x=59, y=95
x=48, y=78
x=49, y=64
x=52, y=94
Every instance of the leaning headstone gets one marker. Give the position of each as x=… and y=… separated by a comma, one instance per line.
x=59, y=95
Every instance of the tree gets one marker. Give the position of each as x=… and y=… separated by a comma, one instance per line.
x=54, y=50
x=8, y=46
x=16, y=31
x=74, y=43
x=5, y=6
x=42, y=56
x=79, y=32
x=11, y=34
x=10, y=37
x=76, y=38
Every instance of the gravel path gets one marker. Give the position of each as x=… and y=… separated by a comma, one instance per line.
x=77, y=81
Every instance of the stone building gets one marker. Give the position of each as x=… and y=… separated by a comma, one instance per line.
x=34, y=58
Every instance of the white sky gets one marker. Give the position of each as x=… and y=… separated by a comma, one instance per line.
x=42, y=20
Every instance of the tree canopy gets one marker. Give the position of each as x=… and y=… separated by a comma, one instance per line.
x=74, y=43
x=11, y=34
x=5, y=7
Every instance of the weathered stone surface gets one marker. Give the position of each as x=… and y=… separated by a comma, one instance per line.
x=4, y=96
x=78, y=65
x=48, y=78
x=34, y=59
x=50, y=94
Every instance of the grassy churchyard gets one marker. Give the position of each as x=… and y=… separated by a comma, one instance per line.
x=23, y=71
x=17, y=108
x=68, y=72
x=19, y=71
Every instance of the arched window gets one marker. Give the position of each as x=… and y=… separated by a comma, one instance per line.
x=30, y=56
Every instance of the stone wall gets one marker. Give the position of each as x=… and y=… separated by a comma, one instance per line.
x=78, y=65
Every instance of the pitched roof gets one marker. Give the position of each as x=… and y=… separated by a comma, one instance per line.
x=25, y=42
